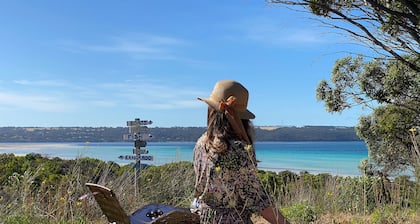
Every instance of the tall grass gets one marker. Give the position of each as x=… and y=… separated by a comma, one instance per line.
x=53, y=191
x=305, y=198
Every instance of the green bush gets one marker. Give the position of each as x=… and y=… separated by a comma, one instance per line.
x=301, y=212
x=24, y=219
x=48, y=190
x=171, y=184
x=391, y=214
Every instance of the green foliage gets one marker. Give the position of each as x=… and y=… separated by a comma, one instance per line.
x=300, y=212
x=24, y=219
x=408, y=192
x=386, y=133
x=355, y=82
x=171, y=184
x=389, y=28
x=9, y=164
x=393, y=89
x=390, y=214
x=389, y=83
x=45, y=194
x=187, y=134
x=31, y=219
x=272, y=182
x=320, y=7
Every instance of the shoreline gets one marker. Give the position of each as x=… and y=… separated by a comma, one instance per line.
x=37, y=146
x=312, y=172
x=296, y=157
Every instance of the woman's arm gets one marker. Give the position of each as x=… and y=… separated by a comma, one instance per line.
x=273, y=216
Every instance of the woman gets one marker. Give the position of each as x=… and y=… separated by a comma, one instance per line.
x=227, y=188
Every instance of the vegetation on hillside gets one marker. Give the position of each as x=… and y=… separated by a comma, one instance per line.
x=34, y=189
x=174, y=134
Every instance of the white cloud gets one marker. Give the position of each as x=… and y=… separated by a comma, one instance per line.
x=285, y=36
x=52, y=83
x=31, y=102
x=76, y=98
x=153, y=95
x=277, y=32
x=139, y=46
x=103, y=103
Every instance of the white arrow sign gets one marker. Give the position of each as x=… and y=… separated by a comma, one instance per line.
x=131, y=157
x=139, y=122
x=137, y=136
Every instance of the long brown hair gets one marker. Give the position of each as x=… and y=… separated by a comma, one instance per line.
x=220, y=131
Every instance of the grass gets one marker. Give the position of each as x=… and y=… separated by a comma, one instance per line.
x=34, y=189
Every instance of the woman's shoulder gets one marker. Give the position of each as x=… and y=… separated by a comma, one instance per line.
x=202, y=138
x=201, y=142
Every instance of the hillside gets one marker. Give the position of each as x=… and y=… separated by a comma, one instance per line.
x=115, y=134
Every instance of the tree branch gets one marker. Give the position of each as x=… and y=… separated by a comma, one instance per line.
x=389, y=44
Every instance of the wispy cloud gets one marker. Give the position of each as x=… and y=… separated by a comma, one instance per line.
x=284, y=37
x=24, y=101
x=103, y=103
x=139, y=46
x=279, y=33
x=153, y=95
x=139, y=93
x=48, y=83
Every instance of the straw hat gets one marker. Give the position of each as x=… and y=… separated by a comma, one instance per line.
x=225, y=89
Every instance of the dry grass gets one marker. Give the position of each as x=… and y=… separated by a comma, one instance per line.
x=318, y=198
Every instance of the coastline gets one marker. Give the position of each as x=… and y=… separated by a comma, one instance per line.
x=35, y=146
x=335, y=158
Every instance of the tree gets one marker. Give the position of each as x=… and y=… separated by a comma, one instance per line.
x=389, y=83
x=392, y=90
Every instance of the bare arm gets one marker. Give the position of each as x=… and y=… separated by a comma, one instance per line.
x=273, y=216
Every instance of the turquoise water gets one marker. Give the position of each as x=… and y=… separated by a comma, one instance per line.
x=337, y=158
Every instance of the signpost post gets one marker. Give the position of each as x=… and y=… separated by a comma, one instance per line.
x=139, y=133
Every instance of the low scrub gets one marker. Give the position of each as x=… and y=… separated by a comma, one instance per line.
x=35, y=189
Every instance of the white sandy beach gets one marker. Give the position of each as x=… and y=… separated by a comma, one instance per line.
x=35, y=146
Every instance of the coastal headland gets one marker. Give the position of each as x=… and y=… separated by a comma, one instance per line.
x=180, y=134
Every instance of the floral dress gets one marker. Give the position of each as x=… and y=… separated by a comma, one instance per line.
x=227, y=186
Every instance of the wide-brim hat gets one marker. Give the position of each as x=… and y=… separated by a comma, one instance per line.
x=230, y=88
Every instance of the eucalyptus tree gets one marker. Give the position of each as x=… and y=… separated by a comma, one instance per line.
x=392, y=90
x=388, y=81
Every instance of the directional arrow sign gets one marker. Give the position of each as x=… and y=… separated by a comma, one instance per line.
x=139, y=122
x=139, y=143
x=131, y=157
x=140, y=151
x=137, y=136
x=138, y=129
x=147, y=158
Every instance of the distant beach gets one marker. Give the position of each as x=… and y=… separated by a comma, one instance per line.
x=35, y=146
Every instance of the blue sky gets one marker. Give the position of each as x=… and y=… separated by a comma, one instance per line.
x=102, y=63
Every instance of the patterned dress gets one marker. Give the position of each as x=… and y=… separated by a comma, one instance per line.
x=227, y=185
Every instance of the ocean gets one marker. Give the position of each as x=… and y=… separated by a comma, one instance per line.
x=336, y=158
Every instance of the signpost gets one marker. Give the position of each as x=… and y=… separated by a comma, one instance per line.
x=139, y=134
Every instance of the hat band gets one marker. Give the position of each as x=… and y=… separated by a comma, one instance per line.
x=229, y=103
x=231, y=100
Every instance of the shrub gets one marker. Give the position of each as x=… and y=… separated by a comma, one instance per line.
x=24, y=219
x=301, y=212
x=391, y=214
x=48, y=190
x=171, y=184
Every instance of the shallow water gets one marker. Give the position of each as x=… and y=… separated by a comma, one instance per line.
x=336, y=158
